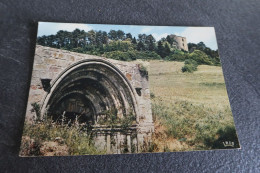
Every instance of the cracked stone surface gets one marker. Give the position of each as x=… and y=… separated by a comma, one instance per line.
x=237, y=29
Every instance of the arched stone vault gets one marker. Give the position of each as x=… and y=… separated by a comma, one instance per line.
x=100, y=82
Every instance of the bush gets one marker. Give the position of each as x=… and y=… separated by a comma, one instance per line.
x=147, y=55
x=177, y=56
x=189, y=66
x=131, y=55
x=110, y=119
x=36, y=108
x=143, y=70
x=75, y=137
x=200, y=57
x=118, y=55
x=152, y=95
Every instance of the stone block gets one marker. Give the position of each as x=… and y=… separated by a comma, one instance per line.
x=50, y=61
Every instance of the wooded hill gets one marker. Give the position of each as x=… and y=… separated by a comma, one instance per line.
x=123, y=46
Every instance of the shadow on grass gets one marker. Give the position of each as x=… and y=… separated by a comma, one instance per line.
x=226, y=138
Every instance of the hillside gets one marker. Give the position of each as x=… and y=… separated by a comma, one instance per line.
x=189, y=109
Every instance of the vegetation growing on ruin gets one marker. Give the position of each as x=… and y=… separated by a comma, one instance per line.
x=45, y=137
x=123, y=46
x=143, y=70
x=111, y=120
x=36, y=108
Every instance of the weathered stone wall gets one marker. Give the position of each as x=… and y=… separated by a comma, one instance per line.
x=50, y=63
x=182, y=43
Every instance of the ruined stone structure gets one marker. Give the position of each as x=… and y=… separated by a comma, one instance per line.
x=91, y=89
x=181, y=42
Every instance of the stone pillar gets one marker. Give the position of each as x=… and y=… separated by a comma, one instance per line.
x=108, y=143
x=128, y=138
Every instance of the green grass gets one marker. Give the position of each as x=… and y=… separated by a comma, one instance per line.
x=192, y=108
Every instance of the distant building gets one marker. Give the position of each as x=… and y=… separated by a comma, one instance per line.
x=181, y=42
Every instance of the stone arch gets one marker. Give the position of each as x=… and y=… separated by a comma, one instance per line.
x=91, y=85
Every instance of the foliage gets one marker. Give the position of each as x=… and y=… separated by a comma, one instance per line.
x=149, y=147
x=117, y=44
x=127, y=121
x=200, y=124
x=123, y=56
x=160, y=49
x=131, y=55
x=177, y=56
x=36, y=109
x=143, y=70
x=189, y=66
x=200, y=57
x=152, y=95
x=74, y=136
x=111, y=119
x=202, y=47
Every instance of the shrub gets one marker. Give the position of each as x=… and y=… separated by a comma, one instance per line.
x=131, y=55
x=118, y=55
x=152, y=95
x=75, y=137
x=189, y=66
x=200, y=57
x=111, y=119
x=143, y=70
x=127, y=121
x=177, y=57
x=36, y=109
x=147, y=55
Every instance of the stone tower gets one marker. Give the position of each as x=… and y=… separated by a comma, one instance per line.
x=181, y=42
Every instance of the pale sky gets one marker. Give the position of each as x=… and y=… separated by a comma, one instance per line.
x=192, y=34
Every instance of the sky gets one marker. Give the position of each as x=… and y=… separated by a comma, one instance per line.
x=192, y=34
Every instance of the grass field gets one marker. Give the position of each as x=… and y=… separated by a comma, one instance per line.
x=191, y=110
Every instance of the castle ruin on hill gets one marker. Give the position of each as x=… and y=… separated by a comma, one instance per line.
x=180, y=42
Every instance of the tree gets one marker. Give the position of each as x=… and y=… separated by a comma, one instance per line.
x=163, y=39
x=104, y=37
x=151, y=46
x=170, y=39
x=42, y=40
x=129, y=35
x=201, y=46
x=112, y=35
x=167, y=50
x=134, y=41
x=75, y=38
x=91, y=37
x=140, y=46
x=60, y=38
x=50, y=41
x=150, y=41
x=160, y=49
x=67, y=40
x=120, y=35
x=99, y=38
x=142, y=37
